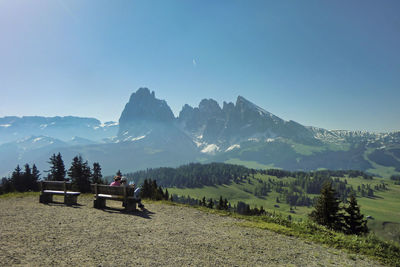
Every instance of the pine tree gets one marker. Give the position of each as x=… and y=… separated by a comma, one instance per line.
x=145, y=192
x=57, y=168
x=17, y=180
x=220, y=204
x=203, y=202
x=97, y=176
x=6, y=185
x=210, y=204
x=35, y=178
x=27, y=178
x=166, y=195
x=80, y=174
x=226, y=207
x=354, y=220
x=327, y=209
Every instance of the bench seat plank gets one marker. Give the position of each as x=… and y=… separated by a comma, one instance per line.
x=113, y=197
x=60, y=192
x=50, y=188
x=118, y=193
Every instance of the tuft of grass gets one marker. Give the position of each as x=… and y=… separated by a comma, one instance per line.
x=19, y=194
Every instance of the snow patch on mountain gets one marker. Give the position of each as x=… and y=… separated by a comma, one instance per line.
x=210, y=149
x=138, y=138
x=232, y=147
x=37, y=139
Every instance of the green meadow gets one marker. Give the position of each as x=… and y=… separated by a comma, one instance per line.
x=384, y=207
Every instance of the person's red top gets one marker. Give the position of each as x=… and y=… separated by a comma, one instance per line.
x=115, y=183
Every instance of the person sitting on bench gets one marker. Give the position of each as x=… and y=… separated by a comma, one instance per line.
x=117, y=181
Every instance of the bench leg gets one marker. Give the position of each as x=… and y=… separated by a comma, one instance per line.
x=46, y=198
x=71, y=199
x=99, y=203
x=130, y=205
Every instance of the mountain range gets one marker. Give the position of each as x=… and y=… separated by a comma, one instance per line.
x=149, y=135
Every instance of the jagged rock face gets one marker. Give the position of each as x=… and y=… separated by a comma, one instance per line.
x=143, y=106
x=237, y=122
x=196, y=119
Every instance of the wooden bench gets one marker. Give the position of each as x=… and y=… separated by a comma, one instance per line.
x=118, y=193
x=63, y=188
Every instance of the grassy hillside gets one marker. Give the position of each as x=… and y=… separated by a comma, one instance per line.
x=383, y=207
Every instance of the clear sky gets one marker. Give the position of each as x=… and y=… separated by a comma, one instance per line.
x=330, y=64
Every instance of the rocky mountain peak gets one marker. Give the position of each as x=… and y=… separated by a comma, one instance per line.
x=245, y=106
x=209, y=106
x=143, y=105
x=143, y=113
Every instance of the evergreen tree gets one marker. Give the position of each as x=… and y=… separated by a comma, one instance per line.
x=27, y=178
x=145, y=192
x=17, y=179
x=242, y=208
x=354, y=220
x=159, y=194
x=210, y=204
x=80, y=174
x=57, y=168
x=327, y=209
x=35, y=178
x=226, y=206
x=262, y=211
x=6, y=185
x=166, y=195
x=97, y=176
x=220, y=205
x=203, y=202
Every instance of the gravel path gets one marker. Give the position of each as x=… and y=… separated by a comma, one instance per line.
x=34, y=234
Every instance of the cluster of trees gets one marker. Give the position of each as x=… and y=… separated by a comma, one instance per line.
x=193, y=175
x=295, y=192
x=186, y=200
x=21, y=180
x=222, y=204
x=365, y=190
x=396, y=179
x=262, y=189
x=327, y=173
x=151, y=190
x=244, y=209
x=329, y=212
x=79, y=173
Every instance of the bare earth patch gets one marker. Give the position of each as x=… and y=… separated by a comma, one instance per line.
x=34, y=234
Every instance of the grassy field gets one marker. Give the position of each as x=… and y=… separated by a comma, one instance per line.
x=250, y=164
x=377, y=169
x=384, y=207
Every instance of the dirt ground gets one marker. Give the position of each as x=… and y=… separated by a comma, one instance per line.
x=34, y=234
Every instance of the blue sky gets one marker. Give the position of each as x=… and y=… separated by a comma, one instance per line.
x=331, y=64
